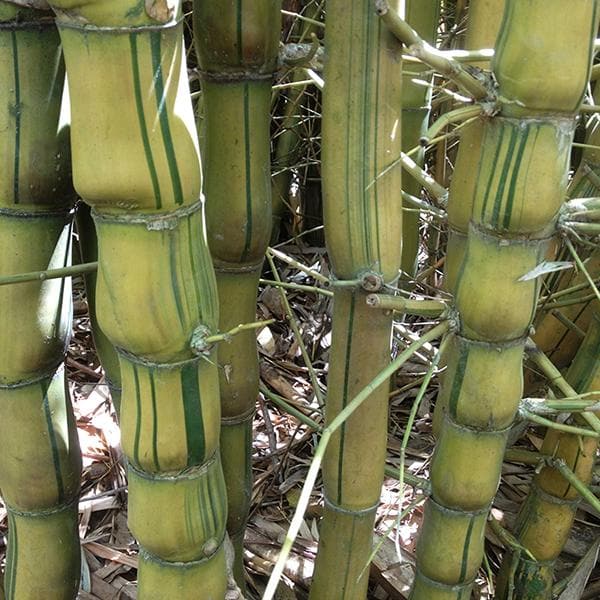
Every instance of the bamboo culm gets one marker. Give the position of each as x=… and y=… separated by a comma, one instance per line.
x=136, y=163
x=40, y=463
x=363, y=228
x=545, y=519
x=237, y=44
x=524, y=158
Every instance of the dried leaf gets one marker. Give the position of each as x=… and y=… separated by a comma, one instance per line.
x=544, y=268
x=579, y=578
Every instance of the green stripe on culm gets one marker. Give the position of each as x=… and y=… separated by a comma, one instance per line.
x=173, y=235
x=11, y=558
x=492, y=174
x=138, y=419
x=465, y=556
x=161, y=100
x=17, y=115
x=515, y=178
x=506, y=166
x=53, y=442
x=457, y=381
x=248, y=167
x=139, y=104
x=345, y=392
x=154, y=423
x=194, y=424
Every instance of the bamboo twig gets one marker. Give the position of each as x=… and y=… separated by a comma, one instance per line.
x=529, y=416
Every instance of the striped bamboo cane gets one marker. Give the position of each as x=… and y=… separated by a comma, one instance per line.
x=237, y=45
x=135, y=161
x=552, y=335
x=545, y=519
x=423, y=17
x=40, y=462
x=363, y=225
x=521, y=182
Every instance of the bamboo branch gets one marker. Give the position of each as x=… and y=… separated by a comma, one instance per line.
x=49, y=274
x=416, y=46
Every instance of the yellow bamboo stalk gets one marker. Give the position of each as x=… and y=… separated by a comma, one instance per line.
x=136, y=162
x=237, y=45
x=521, y=178
x=363, y=225
x=40, y=463
x=545, y=519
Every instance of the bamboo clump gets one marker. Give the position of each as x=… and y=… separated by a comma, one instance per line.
x=521, y=182
x=40, y=463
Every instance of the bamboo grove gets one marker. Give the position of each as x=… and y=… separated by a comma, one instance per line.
x=174, y=212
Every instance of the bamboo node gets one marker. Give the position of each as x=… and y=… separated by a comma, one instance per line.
x=198, y=343
x=160, y=10
x=210, y=547
x=152, y=221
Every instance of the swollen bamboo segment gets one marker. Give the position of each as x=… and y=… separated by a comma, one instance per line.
x=238, y=45
x=520, y=184
x=363, y=224
x=135, y=161
x=39, y=453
